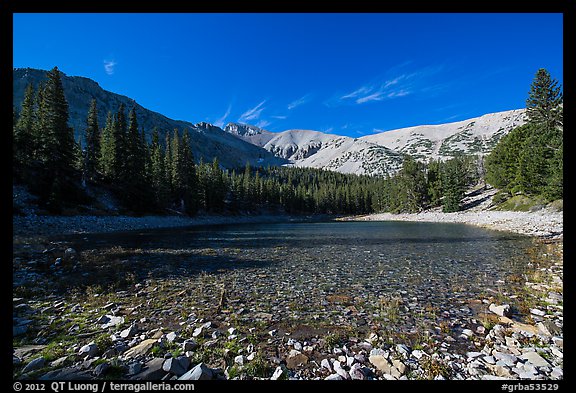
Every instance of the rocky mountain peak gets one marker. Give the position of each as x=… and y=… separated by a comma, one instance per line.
x=243, y=129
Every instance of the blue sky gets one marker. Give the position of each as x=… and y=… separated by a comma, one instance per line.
x=347, y=74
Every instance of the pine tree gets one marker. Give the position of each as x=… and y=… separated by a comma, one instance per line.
x=158, y=171
x=56, y=150
x=92, y=138
x=135, y=192
x=176, y=170
x=24, y=141
x=453, y=184
x=434, y=182
x=107, y=149
x=120, y=136
x=168, y=165
x=411, y=180
x=188, y=174
x=544, y=103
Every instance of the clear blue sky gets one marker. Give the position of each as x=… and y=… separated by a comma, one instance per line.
x=348, y=74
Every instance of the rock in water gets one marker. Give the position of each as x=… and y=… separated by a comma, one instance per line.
x=70, y=254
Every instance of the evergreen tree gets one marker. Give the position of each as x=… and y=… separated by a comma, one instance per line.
x=188, y=174
x=453, y=184
x=135, y=191
x=108, y=148
x=92, y=138
x=56, y=150
x=411, y=182
x=544, y=103
x=176, y=170
x=434, y=182
x=24, y=135
x=158, y=171
x=120, y=136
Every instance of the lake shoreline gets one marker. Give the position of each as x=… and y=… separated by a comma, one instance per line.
x=39, y=225
x=543, y=223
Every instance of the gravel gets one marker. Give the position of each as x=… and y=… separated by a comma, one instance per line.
x=541, y=223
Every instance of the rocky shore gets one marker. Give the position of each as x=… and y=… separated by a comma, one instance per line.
x=542, y=223
x=43, y=225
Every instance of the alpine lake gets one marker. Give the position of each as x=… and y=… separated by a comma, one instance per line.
x=263, y=288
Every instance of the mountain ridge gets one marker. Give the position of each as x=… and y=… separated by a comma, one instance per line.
x=207, y=141
x=238, y=143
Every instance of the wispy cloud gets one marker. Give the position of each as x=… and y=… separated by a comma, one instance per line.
x=220, y=122
x=300, y=101
x=395, y=85
x=361, y=91
x=379, y=96
x=109, y=66
x=263, y=123
x=279, y=117
x=252, y=114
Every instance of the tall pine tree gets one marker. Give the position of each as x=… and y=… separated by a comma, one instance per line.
x=56, y=150
x=24, y=138
x=544, y=103
x=92, y=149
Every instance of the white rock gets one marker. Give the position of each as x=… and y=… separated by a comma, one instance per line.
x=89, y=350
x=340, y=371
x=326, y=364
x=278, y=373
x=503, y=310
x=239, y=360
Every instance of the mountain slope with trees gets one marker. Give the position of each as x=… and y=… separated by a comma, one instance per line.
x=207, y=141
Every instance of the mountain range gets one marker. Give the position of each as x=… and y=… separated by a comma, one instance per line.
x=237, y=144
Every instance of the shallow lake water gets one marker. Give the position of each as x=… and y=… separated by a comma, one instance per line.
x=403, y=276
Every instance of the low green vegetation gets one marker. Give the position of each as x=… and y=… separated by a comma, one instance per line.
x=522, y=203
